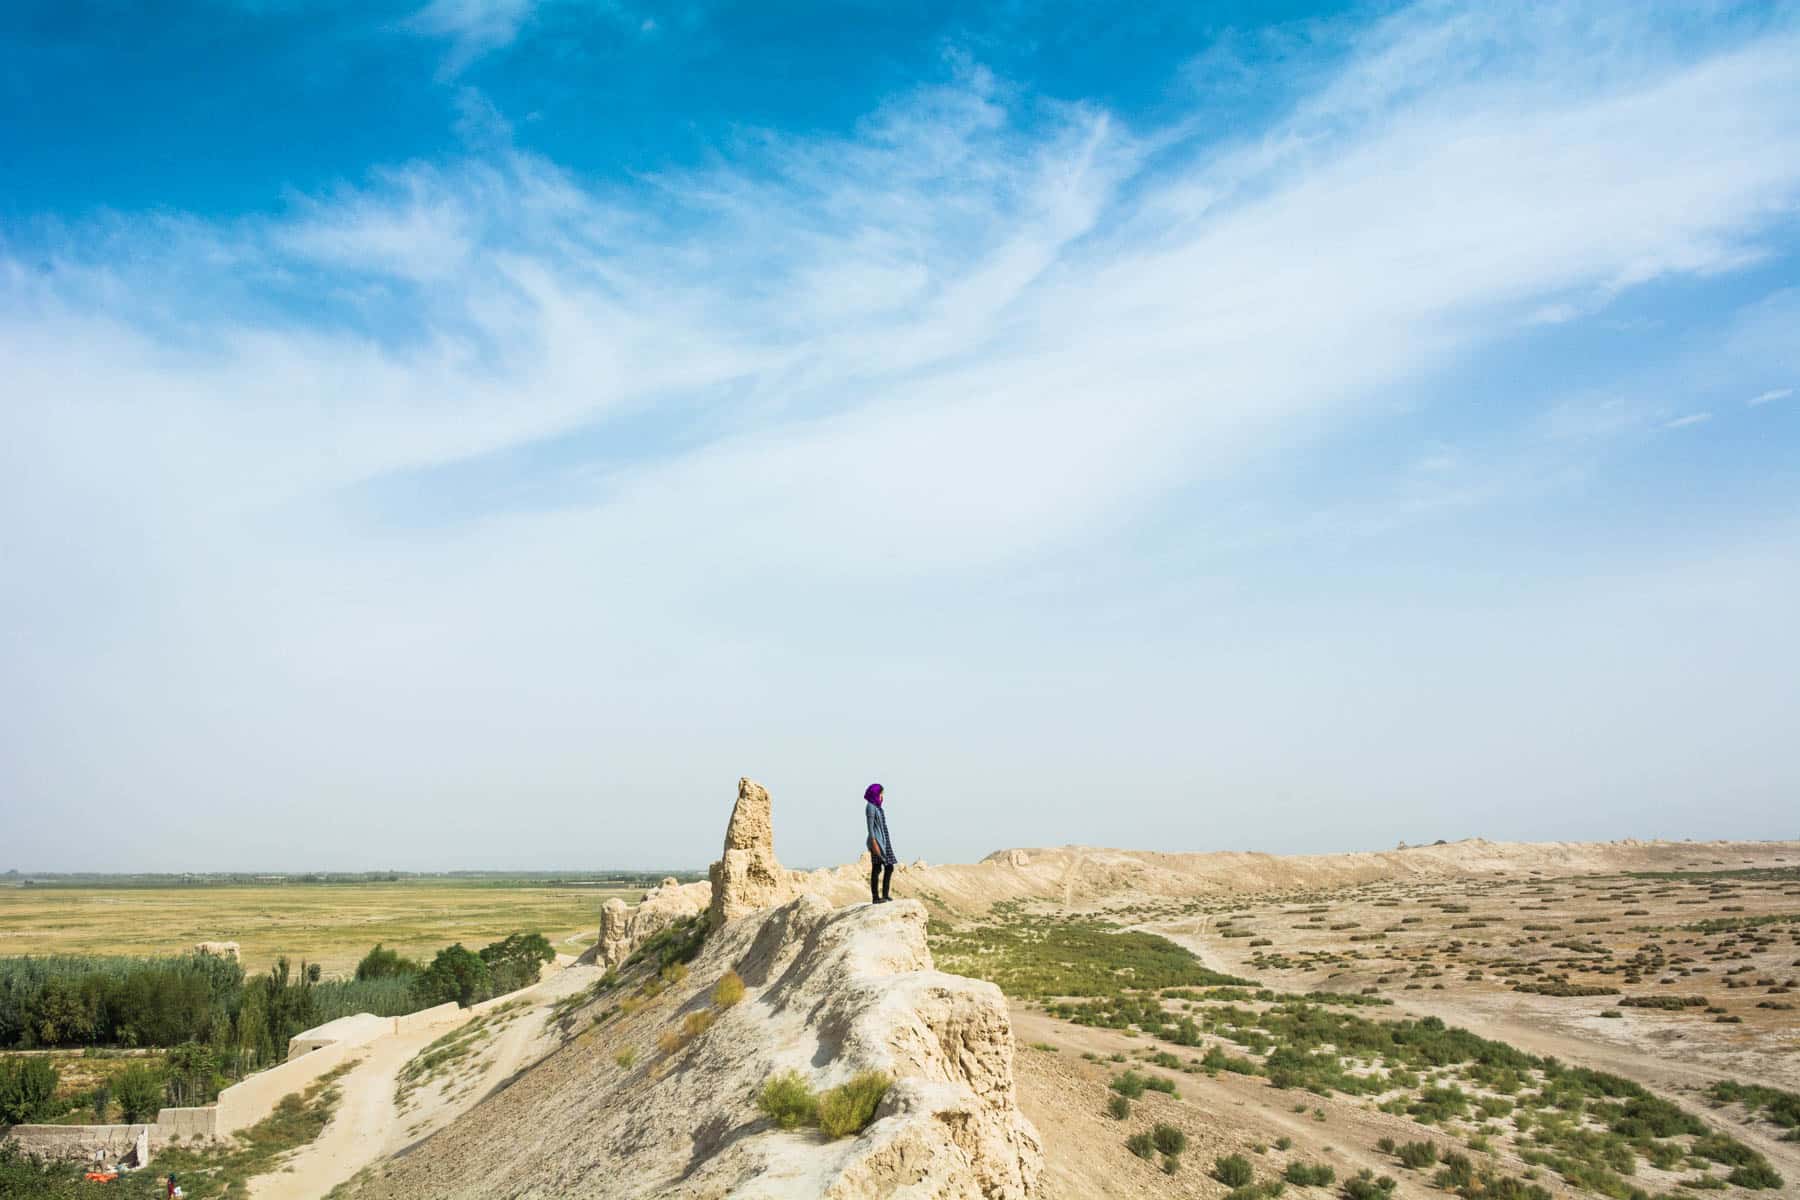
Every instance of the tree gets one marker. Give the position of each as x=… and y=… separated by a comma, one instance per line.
x=27, y=1086
x=193, y=1075
x=455, y=974
x=139, y=1091
x=381, y=963
x=514, y=962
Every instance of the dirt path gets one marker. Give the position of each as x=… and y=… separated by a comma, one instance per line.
x=358, y=1130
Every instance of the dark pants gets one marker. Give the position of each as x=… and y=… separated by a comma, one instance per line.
x=880, y=876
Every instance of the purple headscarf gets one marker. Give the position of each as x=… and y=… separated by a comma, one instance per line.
x=873, y=795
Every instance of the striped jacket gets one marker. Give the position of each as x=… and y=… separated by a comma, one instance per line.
x=878, y=830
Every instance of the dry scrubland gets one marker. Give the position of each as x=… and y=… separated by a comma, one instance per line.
x=1474, y=1020
x=1615, y=1034
x=330, y=924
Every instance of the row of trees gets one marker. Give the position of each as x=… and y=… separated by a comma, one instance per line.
x=79, y=1001
x=462, y=975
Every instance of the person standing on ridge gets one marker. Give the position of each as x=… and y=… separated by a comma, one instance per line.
x=881, y=847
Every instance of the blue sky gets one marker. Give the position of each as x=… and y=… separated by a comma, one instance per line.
x=492, y=426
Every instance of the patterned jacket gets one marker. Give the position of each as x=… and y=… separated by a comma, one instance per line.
x=878, y=830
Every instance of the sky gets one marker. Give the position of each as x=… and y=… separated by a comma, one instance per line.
x=475, y=433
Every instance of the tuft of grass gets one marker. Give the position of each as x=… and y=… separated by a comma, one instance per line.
x=788, y=1101
x=1141, y=1145
x=1118, y=1108
x=729, y=990
x=848, y=1109
x=627, y=1057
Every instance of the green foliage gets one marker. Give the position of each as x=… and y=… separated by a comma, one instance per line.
x=678, y=942
x=381, y=963
x=1130, y=1084
x=848, y=1109
x=1364, y=1186
x=1169, y=1140
x=1141, y=1145
x=515, y=961
x=1755, y=1175
x=1781, y=1107
x=1418, y=1155
x=788, y=1101
x=26, y=1177
x=27, y=1086
x=191, y=1076
x=139, y=1093
x=1309, y=1175
x=1118, y=1108
x=1233, y=1170
x=1043, y=959
x=455, y=974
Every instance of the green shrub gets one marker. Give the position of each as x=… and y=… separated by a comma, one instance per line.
x=1141, y=1145
x=1171, y=1163
x=139, y=1091
x=1168, y=1139
x=27, y=1086
x=788, y=1101
x=729, y=990
x=1304, y=1175
x=1118, y=1107
x=1233, y=1170
x=848, y=1109
x=1364, y=1186
x=1130, y=1085
x=627, y=1057
x=1284, y=1142
x=380, y=963
x=1754, y=1175
x=455, y=974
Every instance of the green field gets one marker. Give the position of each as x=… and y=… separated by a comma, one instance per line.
x=327, y=923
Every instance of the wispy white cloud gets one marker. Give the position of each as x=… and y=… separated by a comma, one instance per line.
x=699, y=428
x=1689, y=420
x=1770, y=396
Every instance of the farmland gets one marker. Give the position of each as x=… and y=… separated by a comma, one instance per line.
x=326, y=923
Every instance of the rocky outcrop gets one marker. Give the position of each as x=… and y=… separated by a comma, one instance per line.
x=623, y=928
x=656, y=1096
x=747, y=876
x=626, y=1111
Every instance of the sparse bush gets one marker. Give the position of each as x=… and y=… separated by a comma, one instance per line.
x=1171, y=1163
x=1130, y=1085
x=1141, y=1145
x=1118, y=1107
x=788, y=1101
x=1168, y=1139
x=1754, y=1175
x=1284, y=1142
x=1233, y=1170
x=848, y=1109
x=627, y=1057
x=1418, y=1155
x=1364, y=1186
x=1309, y=1175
